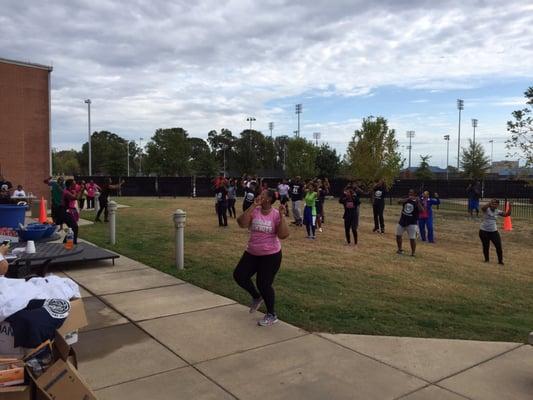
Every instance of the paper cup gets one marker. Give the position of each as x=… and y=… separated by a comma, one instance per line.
x=30, y=247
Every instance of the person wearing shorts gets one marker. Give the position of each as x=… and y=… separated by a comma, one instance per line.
x=411, y=207
x=283, y=190
x=262, y=256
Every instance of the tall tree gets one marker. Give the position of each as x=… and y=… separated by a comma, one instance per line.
x=423, y=171
x=301, y=158
x=521, y=130
x=168, y=153
x=474, y=162
x=372, y=153
x=327, y=161
x=66, y=162
x=280, y=146
x=202, y=162
x=250, y=151
x=223, y=144
x=108, y=154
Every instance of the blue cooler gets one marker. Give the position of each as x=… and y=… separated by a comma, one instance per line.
x=12, y=215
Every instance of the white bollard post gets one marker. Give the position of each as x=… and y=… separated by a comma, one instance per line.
x=96, y=201
x=180, y=217
x=112, y=209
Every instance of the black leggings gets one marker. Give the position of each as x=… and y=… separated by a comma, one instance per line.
x=266, y=268
x=231, y=208
x=103, y=207
x=221, y=212
x=494, y=237
x=66, y=218
x=350, y=223
x=378, y=208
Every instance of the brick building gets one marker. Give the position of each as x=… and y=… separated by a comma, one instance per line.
x=25, y=124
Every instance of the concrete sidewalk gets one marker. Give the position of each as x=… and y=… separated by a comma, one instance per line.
x=152, y=336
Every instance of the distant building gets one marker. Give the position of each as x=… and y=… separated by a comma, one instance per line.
x=506, y=167
x=25, y=124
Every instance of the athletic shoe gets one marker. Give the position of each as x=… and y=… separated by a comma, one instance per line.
x=501, y=263
x=97, y=220
x=313, y=237
x=309, y=237
x=375, y=229
x=268, y=320
x=256, y=303
x=383, y=231
x=347, y=243
x=399, y=251
x=320, y=230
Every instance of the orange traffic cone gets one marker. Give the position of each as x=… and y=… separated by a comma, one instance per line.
x=507, y=223
x=42, y=211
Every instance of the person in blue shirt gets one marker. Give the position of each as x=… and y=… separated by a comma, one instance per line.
x=425, y=219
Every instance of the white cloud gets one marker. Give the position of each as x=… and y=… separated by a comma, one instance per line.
x=209, y=64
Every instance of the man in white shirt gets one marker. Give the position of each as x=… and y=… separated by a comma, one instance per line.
x=19, y=192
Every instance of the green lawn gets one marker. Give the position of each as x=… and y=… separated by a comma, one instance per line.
x=446, y=291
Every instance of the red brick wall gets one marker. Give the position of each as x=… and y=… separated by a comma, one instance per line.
x=24, y=126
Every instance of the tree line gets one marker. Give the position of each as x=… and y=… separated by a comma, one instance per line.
x=372, y=153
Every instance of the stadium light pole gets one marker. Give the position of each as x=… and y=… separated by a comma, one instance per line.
x=491, y=141
x=316, y=136
x=447, y=138
x=298, y=111
x=141, y=157
x=88, y=102
x=251, y=120
x=460, y=107
x=128, y=157
x=271, y=127
x=410, y=135
x=474, y=125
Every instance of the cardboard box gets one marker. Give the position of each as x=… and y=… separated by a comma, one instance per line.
x=16, y=393
x=11, y=372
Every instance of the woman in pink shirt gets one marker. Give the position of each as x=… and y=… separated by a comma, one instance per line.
x=262, y=256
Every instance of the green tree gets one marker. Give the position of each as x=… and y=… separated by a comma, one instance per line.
x=474, y=162
x=203, y=161
x=66, y=162
x=109, y=154
x=327, y=161
x=372, y=153
x=250, y=149
x=301, y=158
x=223, y=144
x=423, y=171
x=168, y=153
x=280, y=149
x=521, y=130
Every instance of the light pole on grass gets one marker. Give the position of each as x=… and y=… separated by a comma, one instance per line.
x=128, y=157
x=447, y=138
x=410, y=135
x=88, y=102
x=460, y=107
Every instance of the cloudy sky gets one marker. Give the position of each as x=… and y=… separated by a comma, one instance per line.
x=209, y=64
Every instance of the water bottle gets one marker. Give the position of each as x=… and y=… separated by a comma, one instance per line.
x=69, y=244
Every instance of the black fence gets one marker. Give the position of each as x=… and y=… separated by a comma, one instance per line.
x=451, y=192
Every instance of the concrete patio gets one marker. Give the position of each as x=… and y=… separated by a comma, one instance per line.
x=152, y=336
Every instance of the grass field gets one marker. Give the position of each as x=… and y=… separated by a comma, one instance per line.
x=446, y=291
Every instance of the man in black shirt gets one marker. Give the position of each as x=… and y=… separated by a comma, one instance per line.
x=221, y=193
x=378, y=205
x=296, y=193
x=104, y=197
x=411, y=207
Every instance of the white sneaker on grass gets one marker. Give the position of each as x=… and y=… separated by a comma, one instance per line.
x=268, y=320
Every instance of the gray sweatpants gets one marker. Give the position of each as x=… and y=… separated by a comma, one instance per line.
x=296, y=211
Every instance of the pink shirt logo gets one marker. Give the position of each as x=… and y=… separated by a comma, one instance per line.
x=263, y=237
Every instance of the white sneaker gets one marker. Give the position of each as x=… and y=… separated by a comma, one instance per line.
x=267, y=320
x=320, y=230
